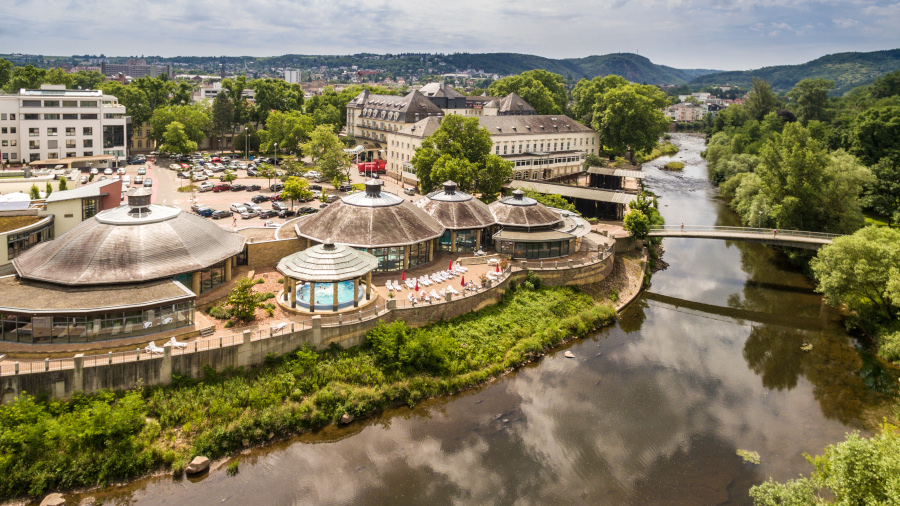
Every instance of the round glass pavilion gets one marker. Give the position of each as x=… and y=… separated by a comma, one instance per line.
x=327, y=277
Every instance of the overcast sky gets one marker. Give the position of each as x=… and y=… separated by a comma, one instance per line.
x=719, y=34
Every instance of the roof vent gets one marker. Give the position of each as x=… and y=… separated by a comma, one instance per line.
x=449, y=187
x=518, y=195
x=373, y=188
x=139, y=201
x=328, y=246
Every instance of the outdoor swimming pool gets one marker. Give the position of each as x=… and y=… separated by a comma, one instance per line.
x=324, y=299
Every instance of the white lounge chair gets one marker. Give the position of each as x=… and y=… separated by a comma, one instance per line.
x=153, y=349
x=147, y=325
x=443, y=292
x=397, y=286
x=175, y=344
x=279, y=327
x=410, y=284
x=388, y=285
x=411, y=298
x=424, y=296
x=452, y=290
x=434, y=294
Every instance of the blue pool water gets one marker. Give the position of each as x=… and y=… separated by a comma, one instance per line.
x=325, y=295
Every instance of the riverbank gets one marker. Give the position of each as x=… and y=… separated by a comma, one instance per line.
x=108, y=438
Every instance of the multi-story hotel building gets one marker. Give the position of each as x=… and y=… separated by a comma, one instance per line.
x=55, y=123
x=540, y=146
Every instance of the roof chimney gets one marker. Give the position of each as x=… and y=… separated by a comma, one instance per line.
x=373, y=188
x=518, y=194
x=139, y=201
x=449, y=187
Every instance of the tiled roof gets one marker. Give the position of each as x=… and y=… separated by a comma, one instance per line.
x=513, y=103
x=437, y=90
x=521, y=211
x=535, y=124
x=456, y=210
x=327, y=263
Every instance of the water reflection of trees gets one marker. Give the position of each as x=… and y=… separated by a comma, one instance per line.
x=634, y=316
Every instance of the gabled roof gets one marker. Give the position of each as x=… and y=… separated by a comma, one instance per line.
x=438, y=90
x=422, y=128
x=82, y=192
x=513, y=103
x=533, y=124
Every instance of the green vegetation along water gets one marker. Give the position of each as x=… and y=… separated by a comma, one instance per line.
x=650, y=411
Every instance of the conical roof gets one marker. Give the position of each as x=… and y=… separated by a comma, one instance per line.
x=456, y=210
x=129, y=244
x=521, y=211
x=327, y=263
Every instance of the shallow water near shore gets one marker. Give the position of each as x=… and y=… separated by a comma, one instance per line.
x=650, y=411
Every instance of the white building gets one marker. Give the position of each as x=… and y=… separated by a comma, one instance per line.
x=211, y=92
x=55, y=123
x=292, y=76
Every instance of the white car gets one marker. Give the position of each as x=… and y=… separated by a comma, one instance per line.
x=95, y=171
x=206, y=186
x=107, y=172
x=201, y=177
x=238, y=208
x=126, y=180
x=246, y=215
x=121, y=171
x=313, y=175
x=209, y=173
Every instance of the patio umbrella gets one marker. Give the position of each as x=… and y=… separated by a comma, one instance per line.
x=403, y=275
x=498, y=267
x=417, y=286
x=450, y=267
x=463, y=281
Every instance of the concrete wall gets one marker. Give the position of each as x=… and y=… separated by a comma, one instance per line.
x=247, y=352
x=268, y=253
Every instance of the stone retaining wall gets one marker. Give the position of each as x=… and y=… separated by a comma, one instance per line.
x=157, y=370
x=268, y=253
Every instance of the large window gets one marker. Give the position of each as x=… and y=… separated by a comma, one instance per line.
x=465, y=240
x=113, y=135
x=87, y=143
x=87, y=130
x=445, y=241
x=85, y=103
x=389, y=259
x=212, y=276
x=34, y=132
x=89, y=209
x=95, y=327
x=70, y=131
x=51, y=103
x=418, y=254
x=19, y=243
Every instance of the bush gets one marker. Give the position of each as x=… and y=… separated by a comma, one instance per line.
x=243, y=301
x=219, y=312
x=232, y=468
x=259, y=281
x=280, y=280
x=673, y=166
x=229, y=324
x=266, y=296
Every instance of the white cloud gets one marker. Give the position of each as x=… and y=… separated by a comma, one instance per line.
x=846, y=22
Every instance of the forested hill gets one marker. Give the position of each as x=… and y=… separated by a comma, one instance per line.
x=631, y=66
x=847, y=70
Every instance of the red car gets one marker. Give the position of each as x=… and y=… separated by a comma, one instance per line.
x=276, y=198
x=221, y=187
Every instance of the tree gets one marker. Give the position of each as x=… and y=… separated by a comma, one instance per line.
x=275, y=95
x=491, y=175
x=854, y=471
x=267, y=171
x=883, y=193
x=459, y=170
x=327, y=152
x=5, y=72
x=637, y=224
x=195, y=119
x=28, y=77
x=222, y=115
x=228, y=177
x=34, y=192
x=63, y=184
x=181, y=94
x=176, y=140
x=811, y=96
x=545, y=91
x=876, y=134
x=856, y=270
x=551, y=200
x=630, y=117
x=885, y=86
x=761, y=100
x=87, y=80
x=296, y=188
x=157, y=90
x=48, y=189
x=133, y=98
x=287, y=129
x=243, y=300
x=460, y=138
x=241, y=139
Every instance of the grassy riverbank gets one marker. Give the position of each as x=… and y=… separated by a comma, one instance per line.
x=104, y=438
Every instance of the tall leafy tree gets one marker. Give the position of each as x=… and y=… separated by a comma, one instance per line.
x=222, y=115
x=5, y=72
x=327, y=152
x=176, y=140
x=458, y=137
x=630, y=117
x=883, y=193
x=195, y=119
x=27, y=77
x=275, y=95
x=87, y=80
x=133, y=98
x=876, y=134
x=157, y=90
x=296, y=188
x=761, y=100
x=287, y=129
x=887, y=85
x=181, y=93
x=811, y=97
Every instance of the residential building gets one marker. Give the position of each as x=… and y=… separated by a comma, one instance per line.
x=111, y=69
x=292, y=76
x=685, y=111
x=139, y=139
x=371, y=118
x=54, y=123
x=211, y=92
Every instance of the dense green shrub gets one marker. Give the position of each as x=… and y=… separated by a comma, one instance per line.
x=220, y=312
x=673, y=166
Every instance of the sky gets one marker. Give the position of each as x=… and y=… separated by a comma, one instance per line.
x=717, y=34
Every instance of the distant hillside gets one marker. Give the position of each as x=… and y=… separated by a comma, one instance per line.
x=631, y=66
x=847, y=70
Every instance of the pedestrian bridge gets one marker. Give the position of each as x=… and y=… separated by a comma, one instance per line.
x=786, y=238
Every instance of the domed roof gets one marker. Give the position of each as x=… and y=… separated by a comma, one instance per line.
x=456, y=210
x=129, y=244
x=521, y=211
x=370, y=220
x=327, y=262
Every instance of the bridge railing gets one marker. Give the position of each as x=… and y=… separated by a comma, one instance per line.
x=742, y=230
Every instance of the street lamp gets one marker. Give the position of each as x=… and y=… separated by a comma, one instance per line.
x=275, y=162
x=759, y=225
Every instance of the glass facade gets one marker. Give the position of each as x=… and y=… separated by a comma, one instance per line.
x=465, y=241
x=211, y=277
x=418, y=254
x=20, y=243
x=389, y=259
x=95, y=327
x=537, y=250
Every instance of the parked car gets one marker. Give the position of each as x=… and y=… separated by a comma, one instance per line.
x=259, y=199
x=252, y=172
x=142, y=171
x=206, y=186
x=276, y=198
x=138, y=179
x=279, y=206
x=345, y=187
x=306, y=210
x=205, y=211
x=409, y=190
x=313, y=174
x=83, y=179
x=107, y=172
x=195, y=207
x=183, y=175
x=126, y=179
x=246, y=215
x=102, y=178
x=148, y=183
x=221, y=187
x=201, y=177
x=218, y=215
x=331, y=198
x=253, y=187
x=315, y=187
x=238, y=187
x=276, y=187
x=255, y=208
x=95, y=171
x=238, y=208
x=121, y=171
x=267, y=213
x=209, y=172
x=286, y=213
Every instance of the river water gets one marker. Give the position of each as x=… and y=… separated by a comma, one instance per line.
x=651, y=410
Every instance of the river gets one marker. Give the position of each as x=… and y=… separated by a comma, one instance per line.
x=651, y=410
